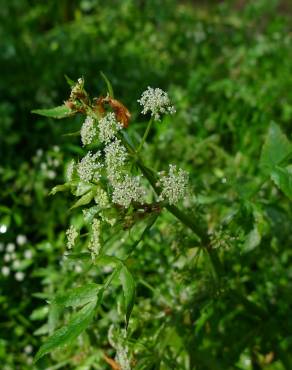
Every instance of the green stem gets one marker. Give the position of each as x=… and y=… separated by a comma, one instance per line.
x=148, y=128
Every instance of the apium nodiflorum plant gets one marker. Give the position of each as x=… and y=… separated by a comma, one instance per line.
x=114, y=187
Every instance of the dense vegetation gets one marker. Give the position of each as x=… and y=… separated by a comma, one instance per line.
x=212, y=278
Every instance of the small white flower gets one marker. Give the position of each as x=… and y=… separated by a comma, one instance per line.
x=44, y=166
x=94, y=244
x=88, y=131
x=108, y=127
x=155, y=101
x=21, y=239
x=78, y=269
x=101, y=198
x=10, y=247
x=56, y=163
x=7, y=257
x=16, y=265
x=70, y=170
x=19, y=276
x=173, y=185
x=51, y=174
x=115, y=158
x=28, y=254
x=28, y=349
x=71, y=234
x=39, y=152
x=88, y=168
x=56, y=148
x=128, y=190
x=5, y=271
x=3, y=229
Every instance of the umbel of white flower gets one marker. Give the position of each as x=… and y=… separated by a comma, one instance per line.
x=89, y=168
x=128, y=190
x=71, y=234
x=173, y=185
x=108, y=127
x=115, y=158
x=94, y=244
x=88, y=131
x=70, y=170
x=157, y=102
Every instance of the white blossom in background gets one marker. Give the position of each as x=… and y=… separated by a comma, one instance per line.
x=16, y=265
x=10, y=248
x=56, y=148
x=71, y=234
x=5, y=271
x=28, y=254
x=128, y=190
x=19, y=276
x=115, y=158
x=88, y=168
x=88, y=131
x=51, y=174
x=39, y=152
x=108, y=127
x=70, y=170
x=28, y=349
x=21, y=239
x=101, y=198
x=94, y=244
x=7, y=258
x=173, y=185
x=157, y=102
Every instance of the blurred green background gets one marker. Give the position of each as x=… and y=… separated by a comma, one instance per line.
x=227, y=67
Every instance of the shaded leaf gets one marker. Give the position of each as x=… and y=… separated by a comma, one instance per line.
x=85, y=199
x=129, y=288
x=282, y=177
x=70, y=332
x=78, y=296
x=58, y=112
x=276, y=148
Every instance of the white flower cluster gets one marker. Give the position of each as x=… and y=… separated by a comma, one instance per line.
x=108, y=127
x=12, y=256
x=88, y=131
x=72, y=235
x=94, y=244
x=88, y=168
x=155, y=101
x=173, y=185
x=127, y=191
x=115, y=158
x=101, y=198
x=48, y=162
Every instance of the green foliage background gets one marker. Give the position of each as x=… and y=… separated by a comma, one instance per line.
x=227, y=67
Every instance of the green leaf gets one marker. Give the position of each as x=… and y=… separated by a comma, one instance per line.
x=69, y=81
x=276, y=148
x=108, y=85
x=70, y=332
x=58, y=112
x=85, y=199
x=282, y=177
x=129, y=289
x=59, y=188
x=79, y=296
